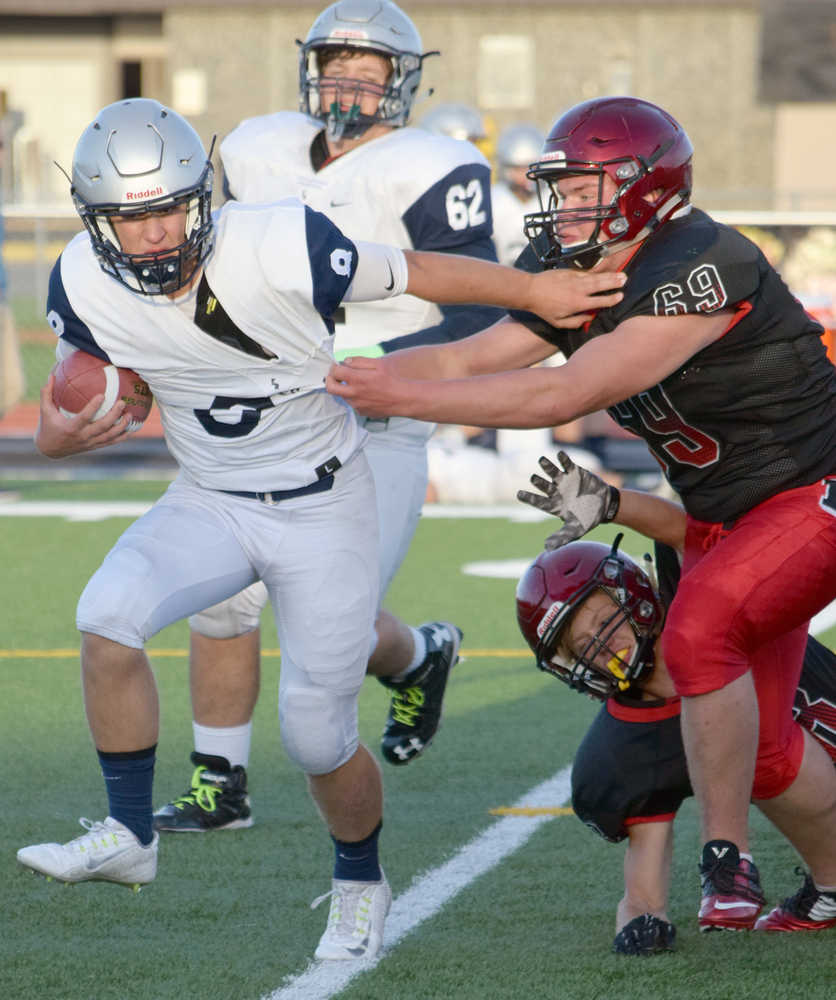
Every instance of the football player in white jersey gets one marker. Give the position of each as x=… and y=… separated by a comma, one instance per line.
x=514, y=195
x=349, y=154
x=229, y=318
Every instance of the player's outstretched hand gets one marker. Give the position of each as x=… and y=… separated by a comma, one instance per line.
x=58, y=436
x=568, y=299
x=370, y=387
x=575, y=494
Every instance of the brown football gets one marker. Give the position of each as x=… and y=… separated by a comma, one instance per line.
x=81, y=376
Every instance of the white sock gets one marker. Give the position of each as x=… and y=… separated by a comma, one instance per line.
x=419, y=653
x=748, y=857
x=231, y=742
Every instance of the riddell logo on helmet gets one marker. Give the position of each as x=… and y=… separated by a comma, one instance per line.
x=147, y=193
x=549, y=617
x=348, y=33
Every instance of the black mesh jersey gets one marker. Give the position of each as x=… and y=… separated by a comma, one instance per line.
x=630, y=766
x=748, y=416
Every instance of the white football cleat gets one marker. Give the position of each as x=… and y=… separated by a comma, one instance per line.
x=107, y=852
x=355, y=921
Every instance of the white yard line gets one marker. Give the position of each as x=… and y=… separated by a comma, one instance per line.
x=99, y=510
x=429, y=892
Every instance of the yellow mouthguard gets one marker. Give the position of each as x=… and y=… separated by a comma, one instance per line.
x=614, y=667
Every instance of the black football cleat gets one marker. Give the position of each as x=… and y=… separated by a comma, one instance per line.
x=415, y=710
x=216, y=800
x=645, y=935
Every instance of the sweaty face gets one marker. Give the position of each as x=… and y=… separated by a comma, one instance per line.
x=353, y=78
x=599, y=635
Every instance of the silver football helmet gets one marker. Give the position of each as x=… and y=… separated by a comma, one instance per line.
x=519, y=145
x=377, y=26
x=459, y=121
x=136, y=157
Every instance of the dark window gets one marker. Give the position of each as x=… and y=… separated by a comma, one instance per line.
x=131, y=79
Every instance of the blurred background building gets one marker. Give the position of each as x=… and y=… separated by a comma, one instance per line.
x=752, y=81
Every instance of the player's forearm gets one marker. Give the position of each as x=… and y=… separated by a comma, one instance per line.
x=505, y=346
x=517, y=399
x=453, y=279
x=652, y=516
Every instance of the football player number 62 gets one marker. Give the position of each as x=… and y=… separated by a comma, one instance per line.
x=464, y=205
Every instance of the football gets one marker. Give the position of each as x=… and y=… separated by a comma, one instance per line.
x=81, y=376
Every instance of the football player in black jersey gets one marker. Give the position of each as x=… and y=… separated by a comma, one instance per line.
x=712, y=360
x=593, y=617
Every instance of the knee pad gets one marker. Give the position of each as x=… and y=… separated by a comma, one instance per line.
x=777, y=766
x=111, y=604
x=318, y=727
x=234, y=616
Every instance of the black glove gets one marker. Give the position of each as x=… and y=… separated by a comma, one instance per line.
x=577, y=495
x=645, y=935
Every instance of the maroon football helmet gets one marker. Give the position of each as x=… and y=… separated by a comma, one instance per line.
x=553, y=588
x=639, y=146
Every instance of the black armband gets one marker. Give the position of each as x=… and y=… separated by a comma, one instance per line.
x=613, y=505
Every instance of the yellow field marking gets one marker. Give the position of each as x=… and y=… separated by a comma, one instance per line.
x=58, y=654
x=532, y=811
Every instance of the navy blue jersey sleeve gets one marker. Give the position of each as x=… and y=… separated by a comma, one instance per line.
x=63, y=319
x=454, y=212
x=333, y=261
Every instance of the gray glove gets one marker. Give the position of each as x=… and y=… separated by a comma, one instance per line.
x=577, y=495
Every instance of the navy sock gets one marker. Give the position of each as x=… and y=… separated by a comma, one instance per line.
x=357, y=861
x=128, y=780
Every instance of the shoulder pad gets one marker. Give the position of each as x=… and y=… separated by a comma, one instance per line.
x=691, y=265
x=256, y=136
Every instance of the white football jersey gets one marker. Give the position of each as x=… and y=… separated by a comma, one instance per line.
x=508, y=213
x=408, y=188
x=237, y=365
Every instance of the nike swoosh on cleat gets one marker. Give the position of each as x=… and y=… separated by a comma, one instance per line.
x=92, y=865
x=734, y=906
x=361, y=948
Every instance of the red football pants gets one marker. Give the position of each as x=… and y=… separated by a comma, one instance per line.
x=744, y=603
